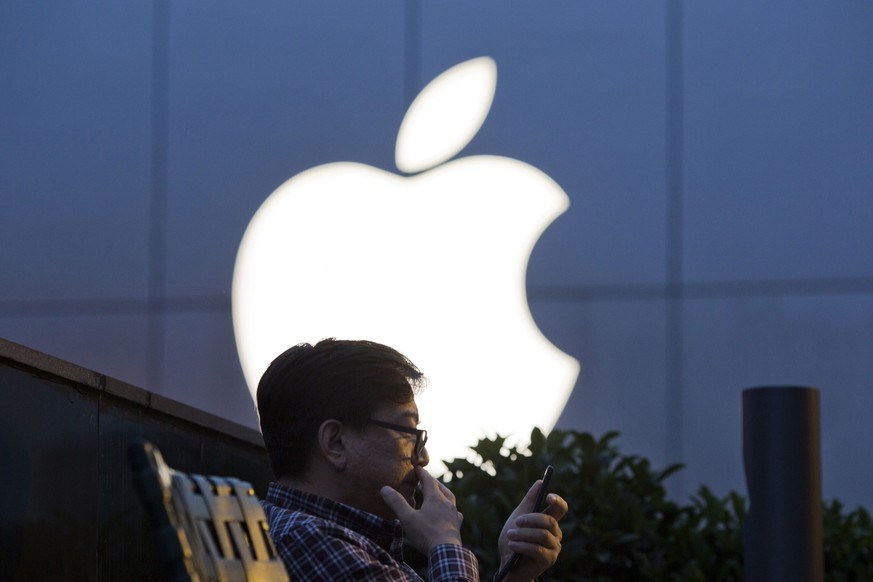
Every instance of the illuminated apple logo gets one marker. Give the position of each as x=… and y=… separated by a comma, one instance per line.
x=432, y=264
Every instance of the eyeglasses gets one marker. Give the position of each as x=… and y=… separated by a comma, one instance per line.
x=420, y=435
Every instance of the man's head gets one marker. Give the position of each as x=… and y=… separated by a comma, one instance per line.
x=317, y=404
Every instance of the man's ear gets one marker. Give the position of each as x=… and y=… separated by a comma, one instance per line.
x=331, y=443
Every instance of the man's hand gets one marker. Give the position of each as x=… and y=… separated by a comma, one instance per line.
x=536, y=536
x=437, y=522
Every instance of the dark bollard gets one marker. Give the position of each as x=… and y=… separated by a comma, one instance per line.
x=781, y=453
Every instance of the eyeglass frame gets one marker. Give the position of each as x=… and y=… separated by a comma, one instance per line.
x=420, y=434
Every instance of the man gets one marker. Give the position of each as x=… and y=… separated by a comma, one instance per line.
x=340, y=423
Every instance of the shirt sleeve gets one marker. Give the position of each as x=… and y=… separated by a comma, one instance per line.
x=452, y=563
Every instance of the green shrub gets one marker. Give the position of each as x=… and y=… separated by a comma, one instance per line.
x=621, y=524
x=848, y=542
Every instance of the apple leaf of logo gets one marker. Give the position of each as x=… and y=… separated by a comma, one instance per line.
x=446, y=115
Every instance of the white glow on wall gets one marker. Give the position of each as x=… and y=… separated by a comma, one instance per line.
x=432, y=265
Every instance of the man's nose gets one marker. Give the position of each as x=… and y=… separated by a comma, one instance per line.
x=423, y=458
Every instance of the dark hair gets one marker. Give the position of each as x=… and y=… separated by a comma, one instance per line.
x=341, y=379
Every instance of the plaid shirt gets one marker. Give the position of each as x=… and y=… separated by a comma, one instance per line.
x=320, y=539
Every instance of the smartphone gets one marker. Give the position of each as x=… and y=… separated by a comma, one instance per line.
x=539, y=505
x=541, y=496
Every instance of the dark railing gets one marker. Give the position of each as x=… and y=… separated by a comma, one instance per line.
x=68, y=504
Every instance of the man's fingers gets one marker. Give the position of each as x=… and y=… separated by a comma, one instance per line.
x=436, y=522
x=556, y=506
x=395, y=501
x=530, y=498
x=432, y=488
x=545, y=554
x=540, y=543
x=429, y=485
x=546, y=534
x=446, y=491
x=536, y=535
x=537, y=524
